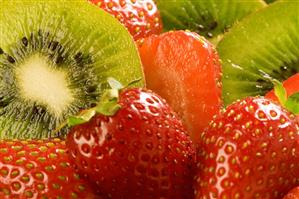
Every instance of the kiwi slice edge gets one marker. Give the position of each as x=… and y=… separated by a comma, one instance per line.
x=209, y=18
x=259, y=49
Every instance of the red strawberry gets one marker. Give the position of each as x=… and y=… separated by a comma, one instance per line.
x=249, y=151
x=142, y=151
x=141, y=17
x=293, y=194
x=39, y=169
x=291, y=85
x=184, y=68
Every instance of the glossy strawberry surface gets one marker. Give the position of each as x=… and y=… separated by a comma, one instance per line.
x=184, y=68
x=141, y=17
x=293, y=194
x=142, y=151
x=251, y=150
x=39, y=169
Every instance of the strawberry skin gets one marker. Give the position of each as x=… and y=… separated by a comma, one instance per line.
x=141, y=17
x=184, y=69
x=293, y=194
x=249, y=151
x=142, y=151
x=39, y=169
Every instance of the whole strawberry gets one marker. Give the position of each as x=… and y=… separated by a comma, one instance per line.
x=39, y=169
x=141, y=17
x=249, y=151
x=140, y=151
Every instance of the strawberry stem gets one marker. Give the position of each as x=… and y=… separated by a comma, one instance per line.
x=280, y=92
x=291, y=103
x=108, y=104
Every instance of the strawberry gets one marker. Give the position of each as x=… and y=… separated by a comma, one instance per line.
x=184, y=69
x=293, y=194
x=39, y=169
x=291, y=86
x=141, y=17
x=141, y=150
x=251, y=150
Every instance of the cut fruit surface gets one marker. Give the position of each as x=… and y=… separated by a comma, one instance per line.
x=209, y=18
x=37, y=82
x=184, y=68
x=259, y=49
x=55, y=58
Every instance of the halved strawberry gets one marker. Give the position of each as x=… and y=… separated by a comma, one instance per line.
x=249, y=151
x=141, y=17
x=140, y=151
x=184, y=68
x=293, y=194
x=39, y=169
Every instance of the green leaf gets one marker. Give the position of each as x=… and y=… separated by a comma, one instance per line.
x=280, y=92
x=108, y=104
x=292, y=103
x=114, y=84
x=83, y=117
x=108, y=108
x=133, y=82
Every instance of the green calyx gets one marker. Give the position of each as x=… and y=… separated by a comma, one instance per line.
x=291, y=103
x=108, y=104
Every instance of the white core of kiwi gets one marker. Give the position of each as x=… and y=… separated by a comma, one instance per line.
x=39, y=82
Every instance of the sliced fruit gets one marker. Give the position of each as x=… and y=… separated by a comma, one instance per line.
x=141, y=151
x=55, y=58
x=259, y=49
x=209, y=18
x=184, y=68
x=270, y=1
x=141, y=17
x=39, y=169
x=249, y=151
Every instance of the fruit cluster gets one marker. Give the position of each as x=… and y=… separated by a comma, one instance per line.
x=148, y=99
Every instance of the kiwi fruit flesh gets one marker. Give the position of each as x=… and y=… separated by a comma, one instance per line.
x=209, y=18
x=269, y=1
x=55, y=58
x=262, y=47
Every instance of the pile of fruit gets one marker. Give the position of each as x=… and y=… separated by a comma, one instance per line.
x=144, y=99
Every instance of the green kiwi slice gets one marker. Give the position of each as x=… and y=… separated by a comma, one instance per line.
x=55, y=58
x=209, y=18
x=269, y=1
x=262, y=47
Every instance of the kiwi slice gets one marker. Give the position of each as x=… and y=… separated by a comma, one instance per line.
x=269, y=1
x=262, y=47
x=55, y=58
x=209, y=18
